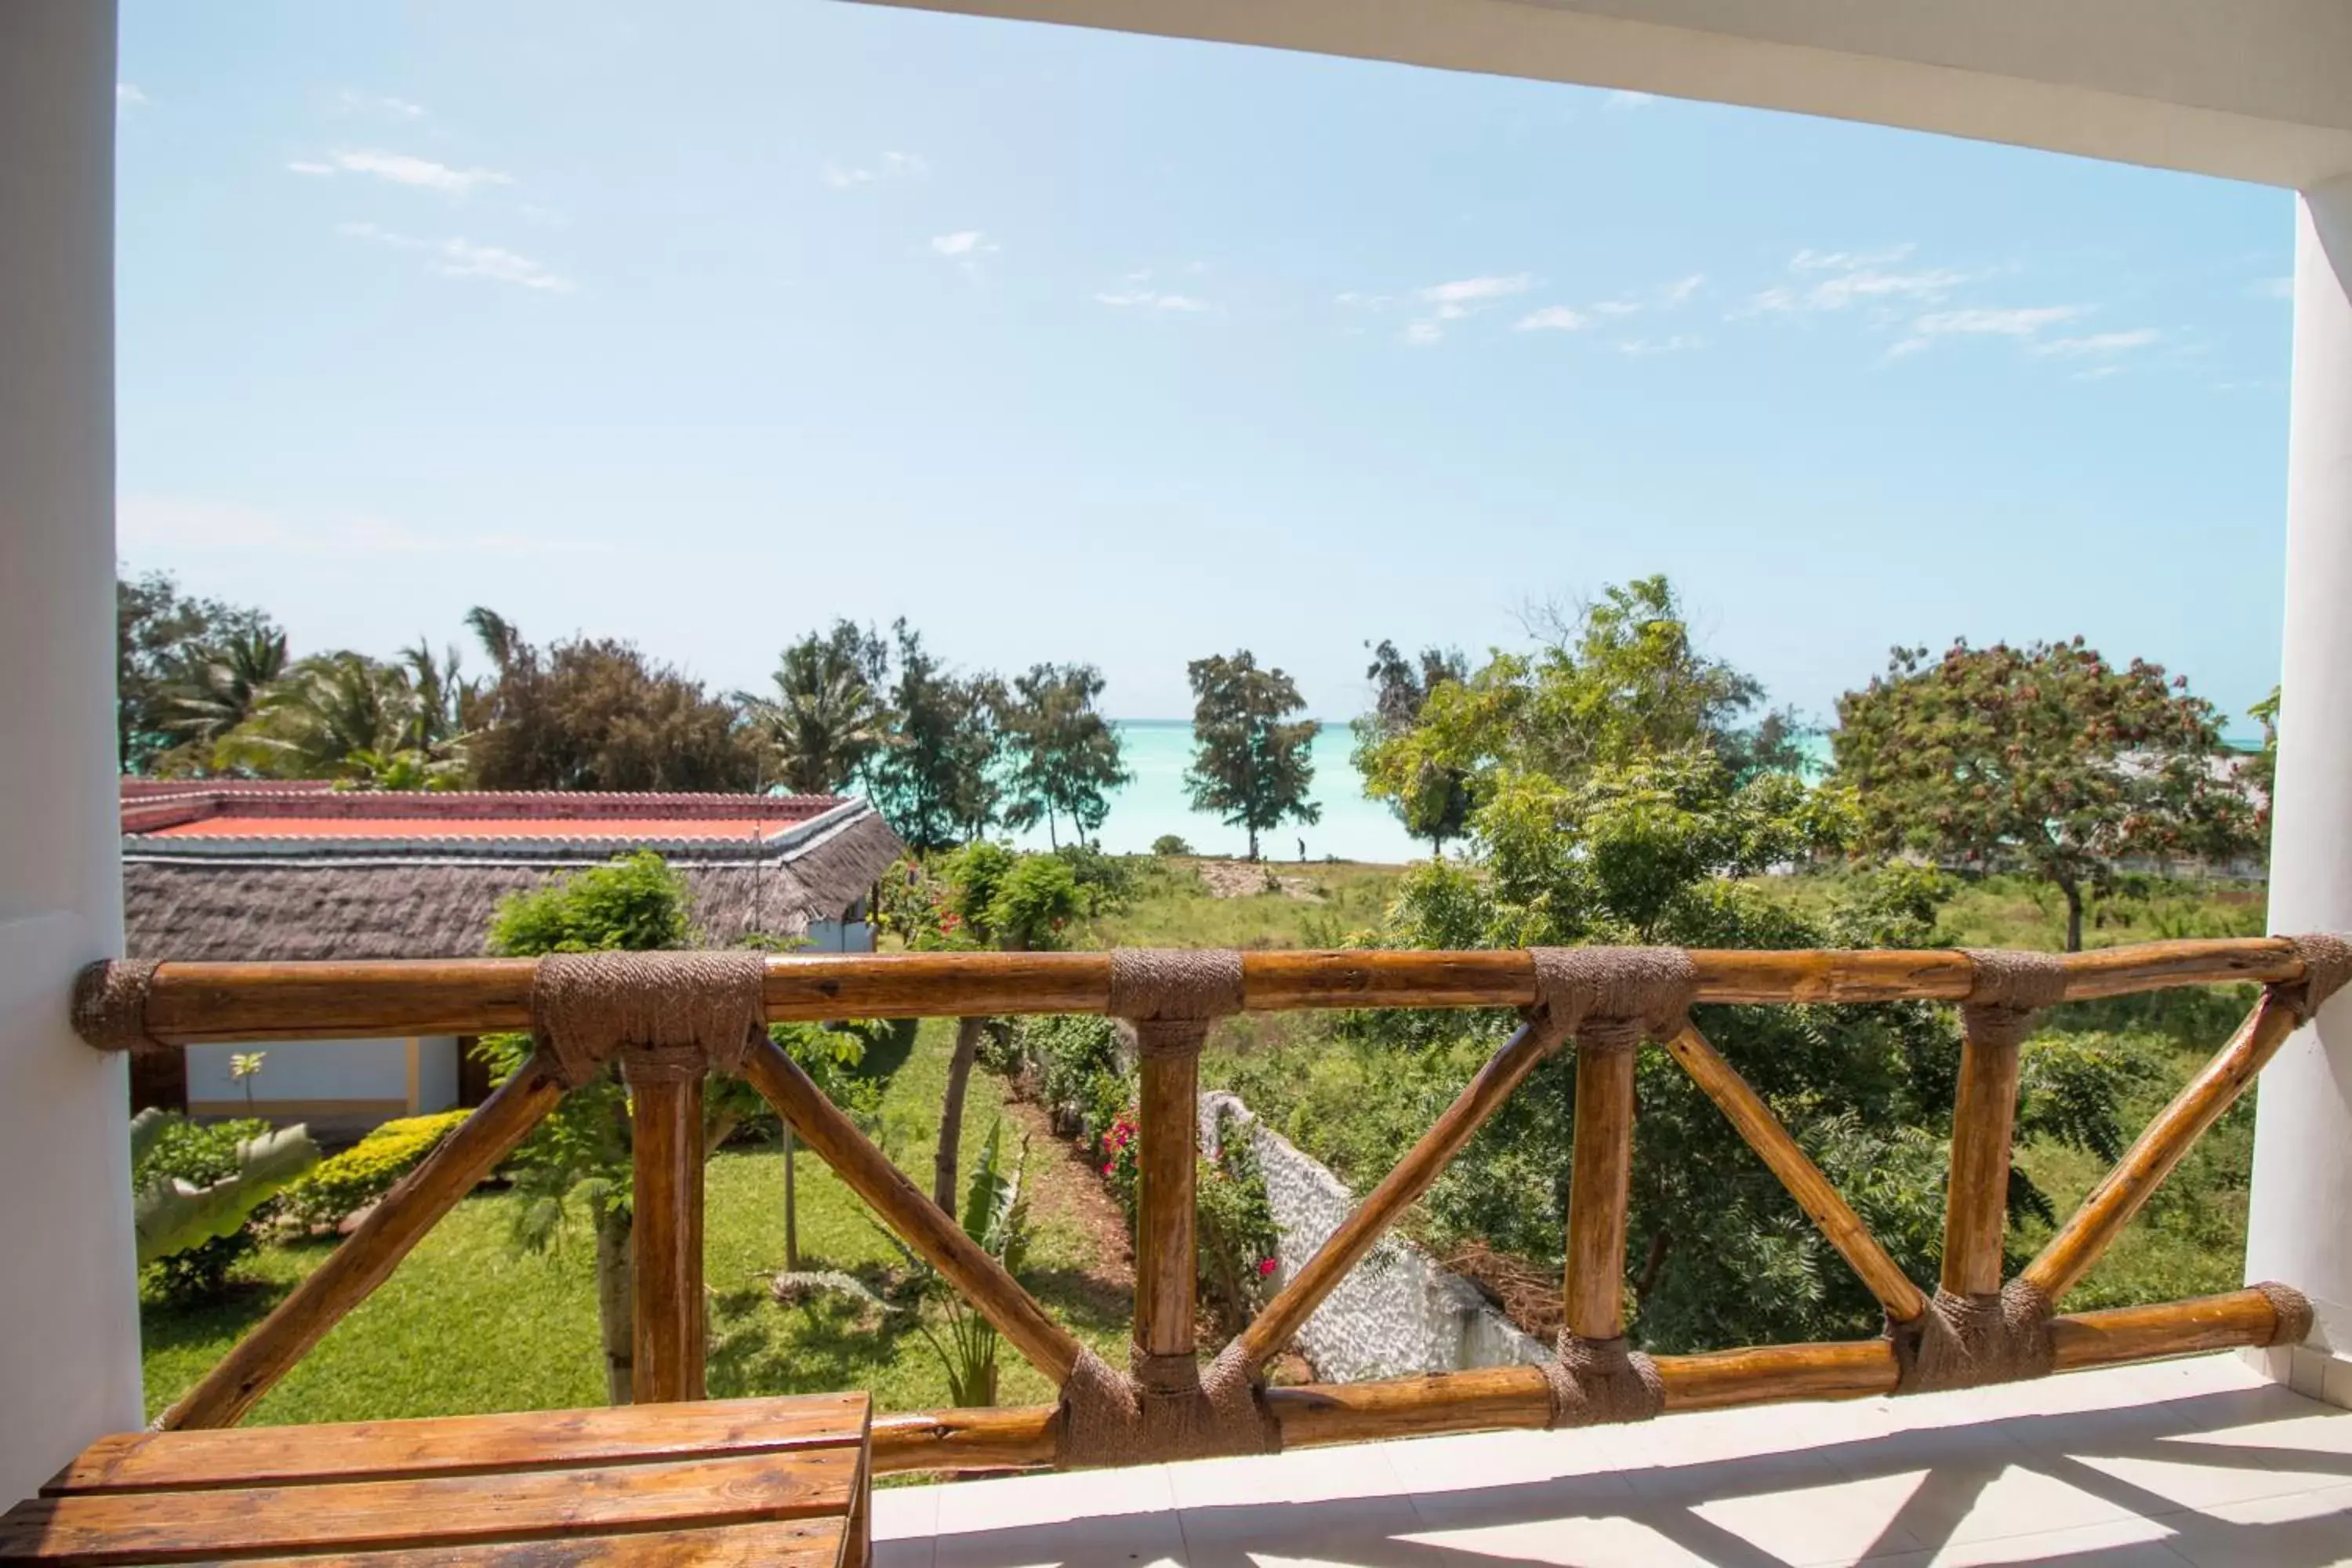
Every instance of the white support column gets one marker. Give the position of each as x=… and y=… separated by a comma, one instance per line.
x=68, y=1304
x=2300, y=1229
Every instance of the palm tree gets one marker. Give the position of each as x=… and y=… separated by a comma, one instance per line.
x=225, y=681
x=824, y=724
x=442, y=695
x=339, y=715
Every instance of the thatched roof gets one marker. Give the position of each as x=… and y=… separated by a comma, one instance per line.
x=252, y=896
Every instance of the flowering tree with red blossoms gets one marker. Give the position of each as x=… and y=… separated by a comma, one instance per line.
x=2047, y=759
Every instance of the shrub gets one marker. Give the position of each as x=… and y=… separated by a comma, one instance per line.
x=346, y=1182
x=1236, y=1231
x=1033, y=902
x=974, y=875
x=1078, y=1077
x=1169, y=844
x=1105, y=882
x=199, y=1153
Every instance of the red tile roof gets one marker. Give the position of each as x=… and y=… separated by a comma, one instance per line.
x=237, y=811
x=233, y=825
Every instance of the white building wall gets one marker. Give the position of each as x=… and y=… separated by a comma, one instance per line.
x=839, y=936
x=437, y=1075
x=68, y=1302
x=349, y=1076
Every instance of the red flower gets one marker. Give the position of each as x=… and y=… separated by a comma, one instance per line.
x=1264, y=1267
x=1106, y=1170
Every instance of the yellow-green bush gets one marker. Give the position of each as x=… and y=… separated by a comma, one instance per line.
x=367, y=1170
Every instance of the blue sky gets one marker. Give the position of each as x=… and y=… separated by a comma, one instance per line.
x=701, y=326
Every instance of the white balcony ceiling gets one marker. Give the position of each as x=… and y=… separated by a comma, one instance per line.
x=2249, y=89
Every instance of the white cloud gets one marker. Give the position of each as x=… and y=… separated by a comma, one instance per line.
x=1454, y=300
x=180, y=526
x=1680, y=290
x=129, y=97
x=1151, y=300
x=1811, y=260
x=2022, y=323
x=1672, y=345
x=2099, y=343
x=1616, y=306
x=889, y=167
x=1551, y=319
x=350, y=102
x=402, y=169
x=964, y=242
x=2097, y=373
x=2007, y=324
x=2275, y=288
x=1854, y=278
x=464, y=258
x=459, y=257
x=1355, y=301
x=1626, y=99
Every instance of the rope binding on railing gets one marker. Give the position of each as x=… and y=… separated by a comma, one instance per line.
x=669, y=1014
x=1611, y=997
x=2327, y=965
x=110, y=1005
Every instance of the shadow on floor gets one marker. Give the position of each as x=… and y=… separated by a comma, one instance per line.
x=2235, y=1476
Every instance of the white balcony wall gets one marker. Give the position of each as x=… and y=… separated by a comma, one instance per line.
x=68, y=1303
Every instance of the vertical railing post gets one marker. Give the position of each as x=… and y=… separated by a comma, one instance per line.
x=1600, y=1182
x=1975, y=1199
x=666, y=1234
x=1167, y=1202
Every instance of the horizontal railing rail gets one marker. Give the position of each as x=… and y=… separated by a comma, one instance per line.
x=669, y=1019
x=223, y=1004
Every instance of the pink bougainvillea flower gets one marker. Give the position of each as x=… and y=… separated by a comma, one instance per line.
x=1264, y=1267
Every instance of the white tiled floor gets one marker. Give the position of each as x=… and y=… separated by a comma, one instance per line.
x=2194, y=1461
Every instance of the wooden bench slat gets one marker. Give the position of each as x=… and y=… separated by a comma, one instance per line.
x=459, y=1445
x=110, y=1528
x=814, y=1544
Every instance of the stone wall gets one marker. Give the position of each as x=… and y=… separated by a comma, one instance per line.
x=1397, y=1312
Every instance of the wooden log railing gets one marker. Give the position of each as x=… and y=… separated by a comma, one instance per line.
x=181, y=1004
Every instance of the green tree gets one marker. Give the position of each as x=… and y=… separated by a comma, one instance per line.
x=225, y=683
x=163, y=638
x=1252, y=763
x=579, y=1157
x=825, y=723
x=1022, y=903
x=2046, y=758
x=937, y=781
x=342, y=715
x=597, y=714
x=2261, y=770
x=1065, y=755
x=1434, y=802
x=1636, y=820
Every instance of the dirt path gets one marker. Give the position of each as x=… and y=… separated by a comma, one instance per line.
x=1063, y=1188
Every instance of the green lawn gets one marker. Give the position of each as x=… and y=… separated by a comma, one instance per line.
x=1171, y=907
x=467, y=1323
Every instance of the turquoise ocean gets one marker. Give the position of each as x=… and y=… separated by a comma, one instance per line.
x=1158, y=750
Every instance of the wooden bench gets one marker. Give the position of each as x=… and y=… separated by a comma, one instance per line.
x=717, y=1481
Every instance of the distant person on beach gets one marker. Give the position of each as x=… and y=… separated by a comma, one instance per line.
x=1302, y=850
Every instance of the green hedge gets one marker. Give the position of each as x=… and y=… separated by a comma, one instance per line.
x=348, y=1183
